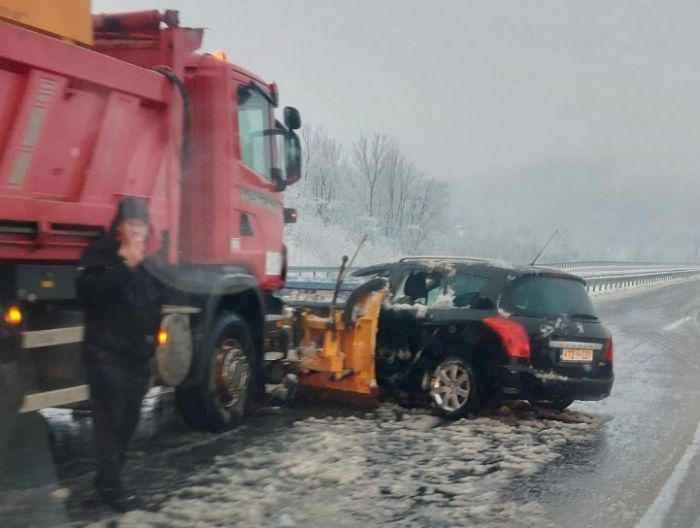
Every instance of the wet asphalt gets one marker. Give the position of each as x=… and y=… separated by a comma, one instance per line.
x=650, y=420
x=614, y=471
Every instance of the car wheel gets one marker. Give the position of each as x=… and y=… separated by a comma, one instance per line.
x=556, y=405
x=218, y=401
x=454, y=390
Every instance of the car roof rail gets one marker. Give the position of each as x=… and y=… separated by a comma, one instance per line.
x=442, y=257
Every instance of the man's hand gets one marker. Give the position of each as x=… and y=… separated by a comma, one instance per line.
x=133, y=251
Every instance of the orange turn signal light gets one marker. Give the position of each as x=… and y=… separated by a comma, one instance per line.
x=13, y=315
x=162, y=337
x=221, y=55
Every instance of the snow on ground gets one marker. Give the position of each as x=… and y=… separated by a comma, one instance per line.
x=391, y=467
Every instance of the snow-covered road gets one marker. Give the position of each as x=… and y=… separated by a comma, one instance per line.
x=381, y=469
x=626, y=461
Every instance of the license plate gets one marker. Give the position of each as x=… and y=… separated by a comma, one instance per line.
x=576, y=354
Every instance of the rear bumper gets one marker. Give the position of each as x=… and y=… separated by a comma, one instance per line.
x=524, y=382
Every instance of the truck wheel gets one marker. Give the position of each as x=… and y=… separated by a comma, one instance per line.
x=218, y=402
x=454, y=390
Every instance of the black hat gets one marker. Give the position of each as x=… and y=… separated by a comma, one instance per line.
x=130, y=208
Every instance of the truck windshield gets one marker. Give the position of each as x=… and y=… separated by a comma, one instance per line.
x=550, y=296
x=253, y=124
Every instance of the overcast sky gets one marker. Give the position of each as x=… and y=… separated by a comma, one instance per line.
x=484, y=90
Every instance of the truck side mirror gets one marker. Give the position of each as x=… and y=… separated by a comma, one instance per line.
x=292, y=118
x=292, y=154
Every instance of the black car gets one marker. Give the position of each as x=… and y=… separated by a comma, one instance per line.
x=461, y=331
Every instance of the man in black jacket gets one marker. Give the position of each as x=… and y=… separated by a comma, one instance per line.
x=123, y=303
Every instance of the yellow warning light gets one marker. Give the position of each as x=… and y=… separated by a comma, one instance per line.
x=13, y=315
x=221, y=55
x=162, y=337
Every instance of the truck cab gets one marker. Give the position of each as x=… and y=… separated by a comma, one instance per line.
x=242, y=160
x=131, y=108
x=239, y=157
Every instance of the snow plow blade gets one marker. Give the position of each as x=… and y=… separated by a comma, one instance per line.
x=317, y=395
x=338, y=352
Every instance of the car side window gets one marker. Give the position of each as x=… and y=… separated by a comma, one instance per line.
x=466, y=289
x=419, y=287
x=433, y=295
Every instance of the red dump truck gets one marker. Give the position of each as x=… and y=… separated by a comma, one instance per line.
x=138, y=112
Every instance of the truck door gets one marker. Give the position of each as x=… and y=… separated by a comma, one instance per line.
x=261, y=208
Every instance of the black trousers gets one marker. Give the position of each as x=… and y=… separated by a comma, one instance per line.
x=117, y=394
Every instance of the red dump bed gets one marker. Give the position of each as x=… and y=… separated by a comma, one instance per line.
x=79, y=130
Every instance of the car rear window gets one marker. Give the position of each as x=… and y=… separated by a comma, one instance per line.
x=550, y=296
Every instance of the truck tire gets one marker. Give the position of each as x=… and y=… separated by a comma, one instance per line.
x=218, y=402
x=454, y=389
x=11, y=393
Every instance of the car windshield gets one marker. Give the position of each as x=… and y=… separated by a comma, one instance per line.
x=550, y=296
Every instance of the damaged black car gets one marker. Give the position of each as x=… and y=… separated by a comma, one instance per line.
x=460, y=332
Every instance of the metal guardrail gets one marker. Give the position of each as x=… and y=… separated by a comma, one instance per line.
x=606, y=284
x=600, y=276
x=615, y=264
x=316, y=272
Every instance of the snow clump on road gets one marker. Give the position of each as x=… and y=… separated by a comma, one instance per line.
x=390, y=468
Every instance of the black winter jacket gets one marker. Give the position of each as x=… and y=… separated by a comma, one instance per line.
x=122, y=307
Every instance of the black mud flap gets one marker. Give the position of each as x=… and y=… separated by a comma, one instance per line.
x=11, y=393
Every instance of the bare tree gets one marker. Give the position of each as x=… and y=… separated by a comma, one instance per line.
x=404, y=210
x=323, y=168
x=369, y=157
x=426, y=206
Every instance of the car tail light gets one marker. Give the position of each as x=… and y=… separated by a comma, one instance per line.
x=609, y=352
x=513, y=334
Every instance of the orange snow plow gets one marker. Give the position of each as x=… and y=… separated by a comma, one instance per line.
x=339, y=355
x=336, y=350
